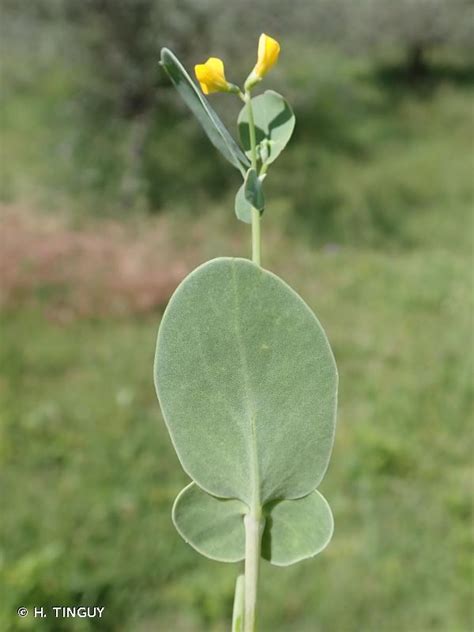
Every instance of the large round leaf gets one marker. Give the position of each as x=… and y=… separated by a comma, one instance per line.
x=247, y=383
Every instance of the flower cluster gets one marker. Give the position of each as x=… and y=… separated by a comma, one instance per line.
x=211, y=75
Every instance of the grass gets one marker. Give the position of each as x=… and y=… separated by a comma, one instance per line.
x=89, y=474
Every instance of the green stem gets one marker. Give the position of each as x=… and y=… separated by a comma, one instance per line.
x=238, y=612
x=253, y=521
x=253, y=137
x=256, y=218
x=253, y=539
x=256, y=238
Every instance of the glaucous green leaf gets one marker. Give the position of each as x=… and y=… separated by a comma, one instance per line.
x=243, y=208
x=212, y=526
x=202, y=110
x=253, y=190
x=247, y=383
x=296, y=529
x=274, y=125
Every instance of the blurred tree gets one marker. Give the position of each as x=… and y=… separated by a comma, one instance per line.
x=110, y=48
x=414, y=27
x=121, y=39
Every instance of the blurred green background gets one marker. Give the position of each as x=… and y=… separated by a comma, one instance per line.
x=111, y=193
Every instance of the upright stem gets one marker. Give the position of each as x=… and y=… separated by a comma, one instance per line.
x=256, y=237
x=253, y=521
x=253, y=539
x=252, y=135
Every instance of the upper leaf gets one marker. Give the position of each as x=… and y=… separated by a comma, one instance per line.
x=202, y=110
x=274, y=125
x=247, y=383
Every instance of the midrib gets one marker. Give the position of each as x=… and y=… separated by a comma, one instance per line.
x=250, y=409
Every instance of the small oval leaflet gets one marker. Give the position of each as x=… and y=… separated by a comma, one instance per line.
x=247, y=385
x=242, y=207
x=274, y=125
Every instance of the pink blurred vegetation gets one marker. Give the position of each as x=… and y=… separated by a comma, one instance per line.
x=100, y=268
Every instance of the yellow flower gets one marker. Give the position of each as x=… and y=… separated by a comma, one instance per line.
x=211, y=76
x=268, y=51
